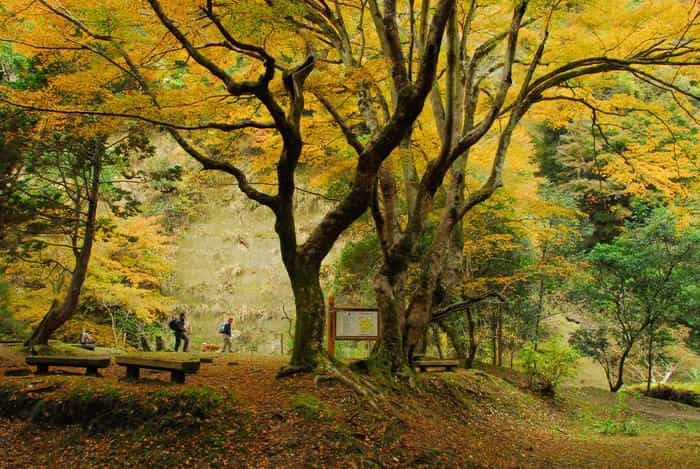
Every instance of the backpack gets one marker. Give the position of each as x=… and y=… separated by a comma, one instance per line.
x=222, y=328
x=173, y=324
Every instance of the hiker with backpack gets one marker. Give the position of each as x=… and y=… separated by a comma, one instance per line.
x=225, y=329
x=178, y=328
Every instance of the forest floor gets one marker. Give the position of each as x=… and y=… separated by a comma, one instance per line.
x=467, y=418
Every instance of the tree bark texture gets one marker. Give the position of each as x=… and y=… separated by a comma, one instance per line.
x=310, y=317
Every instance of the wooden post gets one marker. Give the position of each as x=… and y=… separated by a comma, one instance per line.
x=331, y=326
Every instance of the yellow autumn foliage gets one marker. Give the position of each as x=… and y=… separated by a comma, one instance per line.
x=127, y=268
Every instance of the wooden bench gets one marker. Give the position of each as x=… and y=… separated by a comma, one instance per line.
x=85, y=346
x=177, y=368
x=424, y=365
x=91, y=364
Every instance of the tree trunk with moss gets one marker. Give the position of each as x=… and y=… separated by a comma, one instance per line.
x=310, y=317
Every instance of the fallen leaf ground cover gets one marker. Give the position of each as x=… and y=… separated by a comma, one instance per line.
x=235, y=413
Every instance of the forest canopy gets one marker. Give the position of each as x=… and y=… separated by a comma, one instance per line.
x=472, y=161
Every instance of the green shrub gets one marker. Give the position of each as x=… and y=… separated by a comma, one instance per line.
x=618, y=422
x=106, y=407
x=188, y=408
x=631, y=426
x=628, y=426
x=97, y=408
x=546, y=368
x=675, y=393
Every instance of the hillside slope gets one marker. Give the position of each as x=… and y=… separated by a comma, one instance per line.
x=236, y=414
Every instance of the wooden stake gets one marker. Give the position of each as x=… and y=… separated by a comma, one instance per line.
x=331, y=326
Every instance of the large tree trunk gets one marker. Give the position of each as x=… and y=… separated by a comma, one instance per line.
x=388, y=352
x=305, y=284
x=420, y=308
x=58, y=314
x=310, y=317
x=417, y=321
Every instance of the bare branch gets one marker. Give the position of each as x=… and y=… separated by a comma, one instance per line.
x=462, y=305
x=233, y=87
x=211, y=164
x=350, y=137
x=212, y=125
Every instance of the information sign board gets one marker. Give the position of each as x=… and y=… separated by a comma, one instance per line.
x=356, y=324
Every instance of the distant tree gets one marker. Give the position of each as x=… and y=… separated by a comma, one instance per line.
x=642, y=280
x=653, y=344
x=582, y=154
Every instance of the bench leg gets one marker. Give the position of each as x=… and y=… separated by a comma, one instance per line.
x=42, y=369
x=132, y=371
x=177, y=376
x=91, y=371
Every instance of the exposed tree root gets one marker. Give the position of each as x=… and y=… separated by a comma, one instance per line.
x=290, y=370
x=327, y=370
x=330, y=371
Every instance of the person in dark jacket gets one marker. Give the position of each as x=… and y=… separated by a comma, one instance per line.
x=227, y=335
x=180, y=334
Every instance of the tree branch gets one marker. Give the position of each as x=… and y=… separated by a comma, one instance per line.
x=244, y=124
x=211, y=164
x=462, y=305
x=350, y=137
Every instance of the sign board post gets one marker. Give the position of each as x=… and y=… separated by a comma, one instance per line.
x=331, y=326
x=351, y=323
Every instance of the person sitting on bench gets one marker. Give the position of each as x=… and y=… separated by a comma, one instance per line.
x=86, y=338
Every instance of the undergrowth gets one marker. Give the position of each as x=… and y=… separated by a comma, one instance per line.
x=684, y=393
x=310, y=407
x=103, y=407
